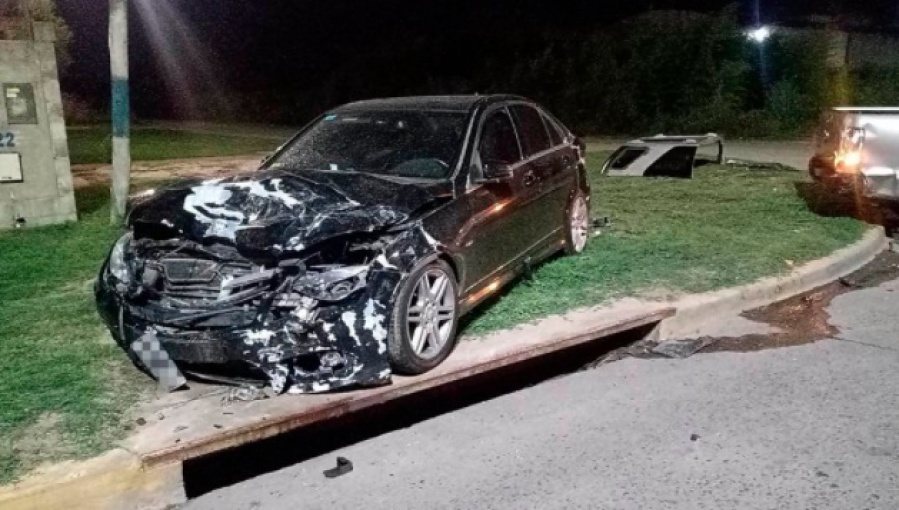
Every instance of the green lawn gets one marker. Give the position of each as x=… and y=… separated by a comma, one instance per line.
x=64, y=385
x=94, y=145
x=727, y=226
x=59, y=371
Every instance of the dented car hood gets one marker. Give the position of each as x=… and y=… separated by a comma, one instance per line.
x=279, y=211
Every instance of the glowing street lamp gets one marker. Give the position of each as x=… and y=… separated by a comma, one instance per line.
x=759, y=34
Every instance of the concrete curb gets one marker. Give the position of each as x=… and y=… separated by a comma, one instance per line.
x=693, y=311
x=122, y=479
x=115, y=480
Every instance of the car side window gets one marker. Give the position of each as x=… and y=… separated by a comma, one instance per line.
x=499, y=144
x=534, y=137
x=555, y=133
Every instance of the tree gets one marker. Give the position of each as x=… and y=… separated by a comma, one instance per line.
x=14, y=18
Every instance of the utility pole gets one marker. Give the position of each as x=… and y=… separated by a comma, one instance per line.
x=121, y=109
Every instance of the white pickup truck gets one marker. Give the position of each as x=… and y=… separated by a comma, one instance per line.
x=858, y=147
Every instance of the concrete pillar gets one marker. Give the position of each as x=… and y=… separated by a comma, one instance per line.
x=121, y=109
x=45, y=194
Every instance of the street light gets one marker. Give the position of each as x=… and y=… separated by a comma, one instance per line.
x=759, y=34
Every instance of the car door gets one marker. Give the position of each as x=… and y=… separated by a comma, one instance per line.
x=542, y=168
x=561, y=177
x=497, y=230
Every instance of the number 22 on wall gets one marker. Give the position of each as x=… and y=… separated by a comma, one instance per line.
x=7, y=140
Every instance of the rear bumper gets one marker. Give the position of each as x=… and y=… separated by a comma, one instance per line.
x=881, y=183
x=823, y=170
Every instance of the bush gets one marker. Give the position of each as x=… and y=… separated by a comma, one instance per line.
x=788, y=107
x=675, y=71
x=660, y=71
x=875, y=87
x=79, y=111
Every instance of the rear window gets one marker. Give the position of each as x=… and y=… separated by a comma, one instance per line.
x=626, y=156
x=678, y=162
x=531, y=130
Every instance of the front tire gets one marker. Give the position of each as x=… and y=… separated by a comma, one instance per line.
x=424, y=320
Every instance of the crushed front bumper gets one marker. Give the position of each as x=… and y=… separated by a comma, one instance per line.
x=334, y=345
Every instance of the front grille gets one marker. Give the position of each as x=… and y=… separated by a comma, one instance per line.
x=189, y=271
x=203, y=281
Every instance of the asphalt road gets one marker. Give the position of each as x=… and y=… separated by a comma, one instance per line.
x=808, y=427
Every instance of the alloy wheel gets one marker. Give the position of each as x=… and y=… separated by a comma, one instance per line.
x=431, y=314
x=579, y=223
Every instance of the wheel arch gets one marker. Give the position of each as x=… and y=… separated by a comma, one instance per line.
x=451, y=261
x=401, y=359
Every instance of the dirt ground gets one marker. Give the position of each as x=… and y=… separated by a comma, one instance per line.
x=91, y=175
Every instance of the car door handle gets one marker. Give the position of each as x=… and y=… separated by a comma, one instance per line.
x=566, y=161
x=530, y=178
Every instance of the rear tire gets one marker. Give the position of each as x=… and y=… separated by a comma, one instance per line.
x=424, y=319
x=577, y=224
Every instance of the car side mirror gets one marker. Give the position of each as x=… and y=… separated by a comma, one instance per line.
x=496, y=171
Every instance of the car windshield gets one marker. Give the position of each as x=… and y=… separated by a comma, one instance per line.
x=414, y=144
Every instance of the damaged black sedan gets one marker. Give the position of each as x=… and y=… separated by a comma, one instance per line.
x=353, y=251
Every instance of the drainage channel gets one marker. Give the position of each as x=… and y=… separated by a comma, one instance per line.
x=205, y=474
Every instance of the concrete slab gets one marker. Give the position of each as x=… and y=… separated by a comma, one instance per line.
x=195, y=423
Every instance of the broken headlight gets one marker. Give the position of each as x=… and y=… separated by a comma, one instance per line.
x=334, y=284
x=118, y=263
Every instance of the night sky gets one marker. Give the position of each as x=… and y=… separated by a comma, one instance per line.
x=187, y=52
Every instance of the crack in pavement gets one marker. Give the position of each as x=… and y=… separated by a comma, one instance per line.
x=865, y=344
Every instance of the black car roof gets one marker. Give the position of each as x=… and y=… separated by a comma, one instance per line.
x=443, y=103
